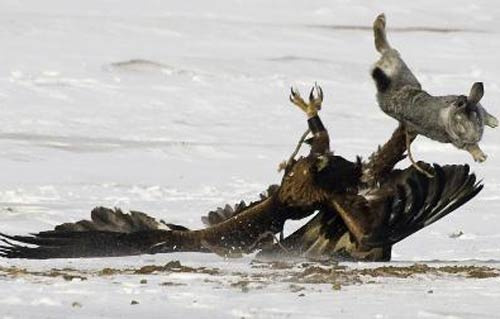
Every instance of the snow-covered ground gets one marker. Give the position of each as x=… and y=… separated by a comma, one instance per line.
x=177, y=107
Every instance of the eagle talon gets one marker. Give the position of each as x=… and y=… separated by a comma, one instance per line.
x=316, y=96
x=315, y=100
x=296, y=99
x=311, y=95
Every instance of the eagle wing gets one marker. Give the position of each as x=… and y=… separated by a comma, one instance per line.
x=409, y=201
x=113, y=233
x=406, y=202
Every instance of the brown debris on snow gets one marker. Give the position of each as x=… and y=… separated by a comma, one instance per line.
x=296, y=275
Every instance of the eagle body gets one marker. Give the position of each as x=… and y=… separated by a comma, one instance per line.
x=361, y=210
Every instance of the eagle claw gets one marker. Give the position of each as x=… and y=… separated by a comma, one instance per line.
x=315, y=100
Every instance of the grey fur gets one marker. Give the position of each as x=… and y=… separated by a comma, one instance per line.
x=456, y=119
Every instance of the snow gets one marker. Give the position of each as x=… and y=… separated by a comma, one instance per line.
x=177, y=107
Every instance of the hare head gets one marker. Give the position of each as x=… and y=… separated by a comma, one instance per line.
x=465, y=119
x=465, y=122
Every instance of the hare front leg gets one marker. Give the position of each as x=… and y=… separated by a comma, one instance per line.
x=490, y=120
x=476, y=153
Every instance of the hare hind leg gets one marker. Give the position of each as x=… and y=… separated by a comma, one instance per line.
x=381, y=43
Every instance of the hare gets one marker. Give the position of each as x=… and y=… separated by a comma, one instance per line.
x=455, y=119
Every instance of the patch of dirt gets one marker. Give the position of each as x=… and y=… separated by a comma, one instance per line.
x=296, y=288
x=296, y=275
x=457, y=234
x=108, y=272
x=68, y=274
x=418, y=269
x=338, y=275
x=471, y=271
x=171, y=284
x=241, y=284
x=245, y=285
x=172, y=266
x=176, y=266
x=272, y=265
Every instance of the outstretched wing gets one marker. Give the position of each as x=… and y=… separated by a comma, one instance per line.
x=109, y=232
x=414, y=201
x=52, y=244
x=113, y=233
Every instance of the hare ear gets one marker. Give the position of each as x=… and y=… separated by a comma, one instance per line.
x=476, y=93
